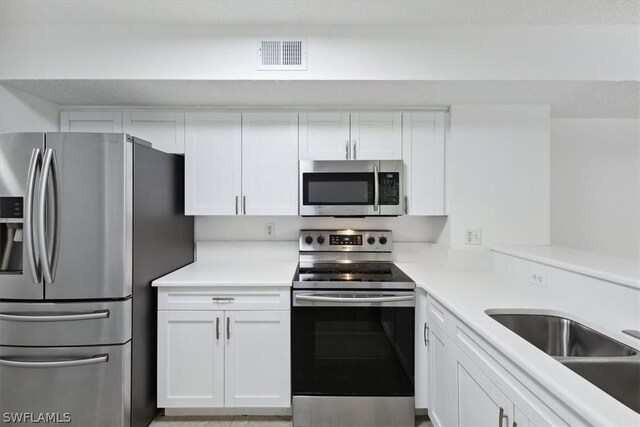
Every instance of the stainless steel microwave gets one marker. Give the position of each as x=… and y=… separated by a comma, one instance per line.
x=351, y=188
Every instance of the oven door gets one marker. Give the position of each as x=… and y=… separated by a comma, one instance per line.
x=353, y=343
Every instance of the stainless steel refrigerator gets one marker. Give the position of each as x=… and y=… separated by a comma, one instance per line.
x=87, y=221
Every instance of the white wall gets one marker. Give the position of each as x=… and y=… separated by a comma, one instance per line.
x=595, y=185
x=498, y=175
x=210, y=52
x=23, y=112
x=249, y=228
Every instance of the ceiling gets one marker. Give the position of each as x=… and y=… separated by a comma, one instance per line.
x=322, y=12
x=583, y=99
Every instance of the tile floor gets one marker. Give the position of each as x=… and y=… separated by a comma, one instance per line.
x=243, y=421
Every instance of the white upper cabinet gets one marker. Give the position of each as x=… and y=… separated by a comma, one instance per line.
x=191, y=359
x=257, y=359
x=213, y=163
x=376, y=136
x=324, y=136
x=270, y=163
x=423, y=152
x=91, y=121
x=163, y=129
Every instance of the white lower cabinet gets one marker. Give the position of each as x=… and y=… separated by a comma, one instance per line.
x=421, y=374
x=190, y=359
x=257, y=359
x=469, y=386
x=442, y=371
x=223, y=358
x=480, y=402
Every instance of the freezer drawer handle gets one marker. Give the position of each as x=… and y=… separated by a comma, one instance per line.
x=102, y=314
x=98, y=358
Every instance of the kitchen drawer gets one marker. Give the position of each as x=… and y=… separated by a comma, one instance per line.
x=65, y=323
x=224, y=298
x=437, y=313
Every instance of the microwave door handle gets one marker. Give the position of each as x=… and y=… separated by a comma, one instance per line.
x=376, y=189
x=34, y=165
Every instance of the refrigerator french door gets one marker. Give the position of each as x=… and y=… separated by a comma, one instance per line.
x=77, y=198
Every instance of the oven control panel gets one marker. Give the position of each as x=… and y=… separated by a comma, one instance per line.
x=345, y=241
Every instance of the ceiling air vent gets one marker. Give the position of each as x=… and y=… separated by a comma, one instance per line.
x=282, y=55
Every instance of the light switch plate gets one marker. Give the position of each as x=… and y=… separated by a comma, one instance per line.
x=269, y=231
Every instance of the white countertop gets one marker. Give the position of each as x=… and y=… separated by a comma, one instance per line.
x=247, y=273
x=468, y=295
x=613, y=269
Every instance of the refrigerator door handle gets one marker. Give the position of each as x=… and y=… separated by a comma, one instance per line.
x=35, y=164
x=98, y=358
x=49, y=249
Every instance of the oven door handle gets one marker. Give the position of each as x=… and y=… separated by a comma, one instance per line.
x=352, y=300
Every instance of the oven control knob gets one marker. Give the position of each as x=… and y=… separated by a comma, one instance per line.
x=383, y=240
x=308, y=240
x=320, y=239
x=371, y=240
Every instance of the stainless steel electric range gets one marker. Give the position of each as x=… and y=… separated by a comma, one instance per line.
x=352, y=332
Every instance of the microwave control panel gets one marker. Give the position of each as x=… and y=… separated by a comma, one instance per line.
x=389, y=188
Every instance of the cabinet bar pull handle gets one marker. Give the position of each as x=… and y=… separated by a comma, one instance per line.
x=406, y=205
x=353, y=154
x=501, y=416
x=228, y=328
x=222, y=299
x=236, y=205
x=244, y=205
x=515, y=424
x=217, y=328
x=426, y=334
x=346, y=149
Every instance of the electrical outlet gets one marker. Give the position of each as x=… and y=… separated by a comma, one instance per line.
x=473, y=236
x=468, y=236
x=538, y=279
x=269, y=231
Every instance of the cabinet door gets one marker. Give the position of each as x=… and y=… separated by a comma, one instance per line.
x=376, y=136
x=257, y=359
x=270, y=163
x=423, y=151
x=443, y=399
x=324, y=136
x=91, y=121
x=422, y=351
x=213, y=163
x=480, y=402
x=190, y=359
x=163, y=129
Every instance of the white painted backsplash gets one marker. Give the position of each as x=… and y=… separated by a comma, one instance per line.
x=251, y=228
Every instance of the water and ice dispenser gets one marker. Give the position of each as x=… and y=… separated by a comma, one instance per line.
x=11, y=234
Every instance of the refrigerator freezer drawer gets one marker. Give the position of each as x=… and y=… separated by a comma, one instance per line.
x=65, y=324
x=79, y=386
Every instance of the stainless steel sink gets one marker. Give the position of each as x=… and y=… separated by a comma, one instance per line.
x=611, y=366
x=618, y=378
x=561, y=337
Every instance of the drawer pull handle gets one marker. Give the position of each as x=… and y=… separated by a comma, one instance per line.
x=101, y=314
x=425, y=333
x=225, y=300
x=98, y=358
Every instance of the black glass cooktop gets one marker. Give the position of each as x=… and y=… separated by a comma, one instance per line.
x=378, y=272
